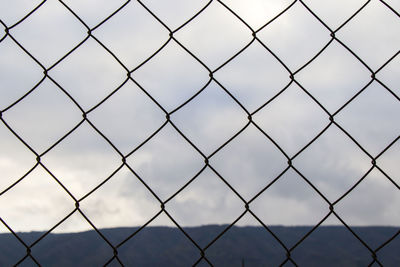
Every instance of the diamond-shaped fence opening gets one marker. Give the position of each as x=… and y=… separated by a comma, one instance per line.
x=142, y=114
x=53, y=24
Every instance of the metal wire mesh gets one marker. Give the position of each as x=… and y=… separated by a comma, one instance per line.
x=169, y=120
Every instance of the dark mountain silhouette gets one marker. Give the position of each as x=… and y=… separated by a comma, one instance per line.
x=165, y=246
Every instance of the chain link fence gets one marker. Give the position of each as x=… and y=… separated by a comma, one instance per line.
x=332, y=39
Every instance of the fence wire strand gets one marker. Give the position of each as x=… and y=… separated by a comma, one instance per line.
x=172, y=38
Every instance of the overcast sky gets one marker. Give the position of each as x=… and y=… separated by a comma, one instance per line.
x=84, y=159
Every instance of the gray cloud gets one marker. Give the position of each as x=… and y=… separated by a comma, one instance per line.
x=84, y=159
x=13, y=11
x=49, y=33
x=15, y=62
